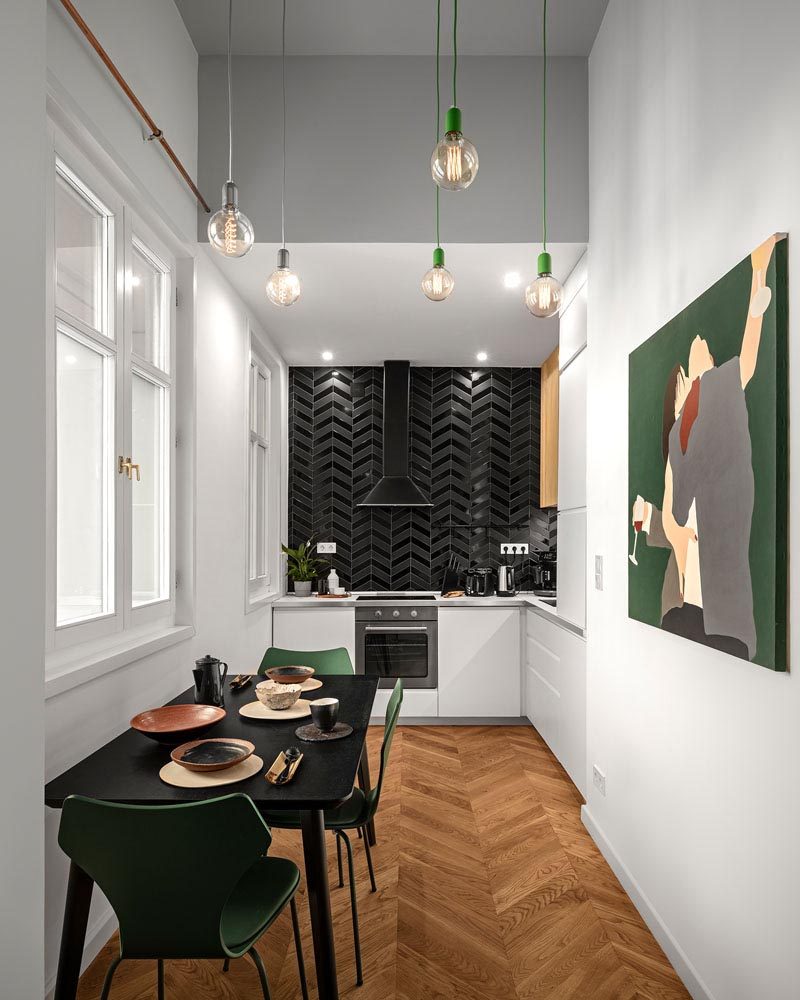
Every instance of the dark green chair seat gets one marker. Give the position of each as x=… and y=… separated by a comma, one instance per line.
x=324, y=661
x=190, y=880
x=258, y=898
x=350, y=815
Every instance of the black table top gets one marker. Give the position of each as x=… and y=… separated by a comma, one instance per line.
x=126, y=769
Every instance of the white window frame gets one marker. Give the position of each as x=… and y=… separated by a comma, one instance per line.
x=122, y=622
x=262, y=513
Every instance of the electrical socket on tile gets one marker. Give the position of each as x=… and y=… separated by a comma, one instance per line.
x=326, y=548
x=514, y=549
x=599, y=779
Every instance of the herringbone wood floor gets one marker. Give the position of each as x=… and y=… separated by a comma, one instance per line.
x=488, y=887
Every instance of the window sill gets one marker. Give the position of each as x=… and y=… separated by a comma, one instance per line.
x=69, y=668
x=260, y=600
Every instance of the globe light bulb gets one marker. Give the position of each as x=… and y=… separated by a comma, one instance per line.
x=454, y=163
x=544, y=295
x=283, y=285
x=438, y=282
x=230, y=232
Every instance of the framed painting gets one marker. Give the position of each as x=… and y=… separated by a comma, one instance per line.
x=708, y=466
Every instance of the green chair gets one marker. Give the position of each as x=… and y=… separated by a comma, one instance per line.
x=324, y=661
x=185, y=881
x=355, y=814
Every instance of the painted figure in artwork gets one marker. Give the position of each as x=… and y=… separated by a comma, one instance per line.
x=706, y=511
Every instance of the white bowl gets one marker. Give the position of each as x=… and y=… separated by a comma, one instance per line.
x=277, y=696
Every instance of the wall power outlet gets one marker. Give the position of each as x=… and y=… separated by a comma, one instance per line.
x=326, y=548
x=514, y=548
x=599, y=779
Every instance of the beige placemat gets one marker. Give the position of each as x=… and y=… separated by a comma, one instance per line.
x=255, y=710
x=311, y=684
x=180, y=777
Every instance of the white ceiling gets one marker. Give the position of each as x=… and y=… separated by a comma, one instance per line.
x=392, y=27
x=363, y=302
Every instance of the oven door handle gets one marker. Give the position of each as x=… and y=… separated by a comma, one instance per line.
x=395, y=628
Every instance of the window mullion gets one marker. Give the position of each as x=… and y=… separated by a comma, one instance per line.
x=125, y=534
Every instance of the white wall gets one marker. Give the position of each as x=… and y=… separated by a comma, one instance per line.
x=360, y=132
x=150, y=45
x=693, y=161
x=22, y=99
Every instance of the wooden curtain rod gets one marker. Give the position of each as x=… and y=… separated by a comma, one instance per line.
x=155, y=131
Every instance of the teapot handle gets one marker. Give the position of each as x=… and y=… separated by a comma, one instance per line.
x=224, y=672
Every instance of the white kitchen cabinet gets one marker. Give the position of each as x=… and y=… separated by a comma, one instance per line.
x=572, y=322
x=555, y=691
x=572, y=435
x=418, y=703
x=314, y=628
x=571, y=562
x=479, y=662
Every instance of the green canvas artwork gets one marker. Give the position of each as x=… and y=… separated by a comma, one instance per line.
x=708, y=466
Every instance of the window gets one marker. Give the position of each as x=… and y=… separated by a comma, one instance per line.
x=111, y=489
x=259, y=479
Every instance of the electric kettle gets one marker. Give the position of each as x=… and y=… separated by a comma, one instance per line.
x=506, y=581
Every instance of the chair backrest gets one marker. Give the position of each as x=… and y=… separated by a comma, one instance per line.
x=390, y=724
x=324, y=661
x=166, y=870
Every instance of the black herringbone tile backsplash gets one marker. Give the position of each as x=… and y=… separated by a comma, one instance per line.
x=474, y=451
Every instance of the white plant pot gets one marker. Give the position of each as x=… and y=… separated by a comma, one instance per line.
x=302, y=588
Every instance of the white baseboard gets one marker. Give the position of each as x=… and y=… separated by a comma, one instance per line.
x=688, y=974
x=96, y=937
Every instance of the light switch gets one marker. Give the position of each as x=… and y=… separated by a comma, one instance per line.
x=598, y=572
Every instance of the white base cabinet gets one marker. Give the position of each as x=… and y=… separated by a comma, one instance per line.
x=554, y=675
x=479, y=659
x=314, y=628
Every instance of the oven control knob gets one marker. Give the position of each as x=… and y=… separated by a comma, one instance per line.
x=395, y=614
x=379, y=614
x=414, y=614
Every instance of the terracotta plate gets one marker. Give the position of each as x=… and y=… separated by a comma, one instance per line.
x=290, y=675
x=212, y=755
x=176, y=723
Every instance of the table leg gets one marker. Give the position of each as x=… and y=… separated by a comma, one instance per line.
x=73, y=933
x=319, y=902
x=365, y=784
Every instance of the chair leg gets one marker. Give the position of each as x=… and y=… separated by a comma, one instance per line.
x=226, y=965
x=354, y=908
x=109, y=977
x=339, y=859
x=369, y=863
x=262, y=972
x=161, y=979
x=360, y=834
x=298, y=946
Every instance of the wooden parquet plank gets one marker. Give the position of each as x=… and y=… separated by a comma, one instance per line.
x=489, y=888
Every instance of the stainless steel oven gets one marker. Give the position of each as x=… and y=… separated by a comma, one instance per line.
x=396, y=636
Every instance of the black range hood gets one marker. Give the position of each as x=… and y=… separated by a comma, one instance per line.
x=396, y=488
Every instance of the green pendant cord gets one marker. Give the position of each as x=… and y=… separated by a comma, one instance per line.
x=455, y=50
x=544, y=125
x=438, y=103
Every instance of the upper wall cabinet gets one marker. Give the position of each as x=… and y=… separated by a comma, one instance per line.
x=572, y=324
x=548, y=467
x=572, y=436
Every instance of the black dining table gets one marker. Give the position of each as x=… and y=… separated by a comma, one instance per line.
x=127, y=770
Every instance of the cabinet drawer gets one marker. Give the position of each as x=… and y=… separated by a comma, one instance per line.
x=544, y=661
x=542, y=705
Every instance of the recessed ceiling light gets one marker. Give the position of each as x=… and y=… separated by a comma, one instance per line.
x=482, y=356
x=327, y=355
x=512, y=279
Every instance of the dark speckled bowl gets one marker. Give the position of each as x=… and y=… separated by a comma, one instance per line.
x=290, y=675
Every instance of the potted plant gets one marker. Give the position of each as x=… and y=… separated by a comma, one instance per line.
x=301, y=566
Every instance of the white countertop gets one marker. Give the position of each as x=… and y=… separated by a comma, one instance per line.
x=519, y=600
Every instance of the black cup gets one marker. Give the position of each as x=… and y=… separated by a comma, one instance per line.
x=325, y=712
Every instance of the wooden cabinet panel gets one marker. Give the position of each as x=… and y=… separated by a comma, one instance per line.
x=548, y=459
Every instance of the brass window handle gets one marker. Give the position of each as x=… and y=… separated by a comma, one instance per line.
x=126, y=467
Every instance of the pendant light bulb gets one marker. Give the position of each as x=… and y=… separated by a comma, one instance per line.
x=283, y=285
x=454, y=163
x=544, y=295
x=438, y=283
x=230, y=232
